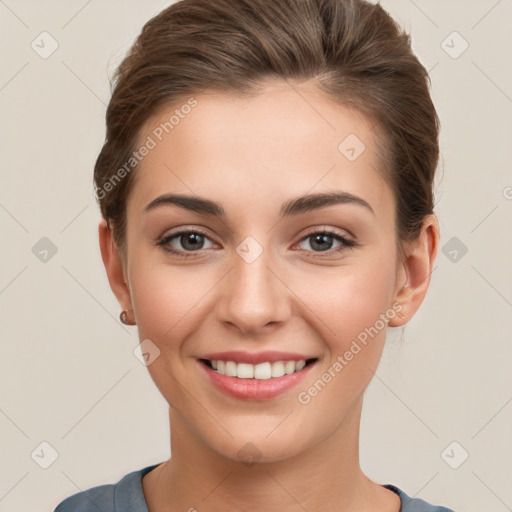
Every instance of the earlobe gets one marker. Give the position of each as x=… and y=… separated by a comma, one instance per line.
x=417, y=266
x=114, y=266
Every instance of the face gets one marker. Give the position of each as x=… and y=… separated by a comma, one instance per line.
x=269, y=281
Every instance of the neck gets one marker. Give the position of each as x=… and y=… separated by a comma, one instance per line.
x=326, y=476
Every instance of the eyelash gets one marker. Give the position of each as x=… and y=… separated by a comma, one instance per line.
x=346, y=243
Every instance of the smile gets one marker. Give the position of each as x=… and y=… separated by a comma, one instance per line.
x=260, y=376
x=261, y=371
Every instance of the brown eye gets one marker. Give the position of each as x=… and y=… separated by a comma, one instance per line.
x=322, y=241
x=183, y=242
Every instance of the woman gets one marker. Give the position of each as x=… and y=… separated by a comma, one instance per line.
x=266, y=193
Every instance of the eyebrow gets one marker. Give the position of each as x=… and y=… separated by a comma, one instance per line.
x=294, y=206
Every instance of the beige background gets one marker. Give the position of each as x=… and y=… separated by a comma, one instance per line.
x=68, y=373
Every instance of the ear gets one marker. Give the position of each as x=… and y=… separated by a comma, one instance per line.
x=114, y=266
x=415, y=270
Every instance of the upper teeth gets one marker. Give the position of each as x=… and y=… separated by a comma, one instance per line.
x=257, y=371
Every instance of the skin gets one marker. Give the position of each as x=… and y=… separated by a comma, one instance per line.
x=251, y=155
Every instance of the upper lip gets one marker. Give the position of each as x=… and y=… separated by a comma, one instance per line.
x=239, y=356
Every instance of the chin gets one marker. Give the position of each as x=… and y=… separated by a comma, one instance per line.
x=260, y=447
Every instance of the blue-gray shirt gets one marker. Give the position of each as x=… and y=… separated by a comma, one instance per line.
x=127, y=496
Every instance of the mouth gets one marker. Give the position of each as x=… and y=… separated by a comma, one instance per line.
x=266, y=377
x=261, y=371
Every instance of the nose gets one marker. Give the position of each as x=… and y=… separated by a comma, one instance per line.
x=254, y=298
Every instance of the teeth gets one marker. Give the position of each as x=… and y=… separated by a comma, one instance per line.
x=230, y=369
x=263, y=371
x=244, y=371
x=278, y=369
x=257, y=371
x=289, y=367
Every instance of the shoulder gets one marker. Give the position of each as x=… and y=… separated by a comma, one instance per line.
x=124, y=496
x=415, y=504
x=96, y=498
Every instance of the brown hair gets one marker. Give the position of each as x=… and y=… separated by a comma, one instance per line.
x=355, y=52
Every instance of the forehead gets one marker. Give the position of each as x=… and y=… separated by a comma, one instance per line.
x=283, y=141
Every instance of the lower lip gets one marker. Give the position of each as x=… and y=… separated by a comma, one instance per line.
x=255, y=389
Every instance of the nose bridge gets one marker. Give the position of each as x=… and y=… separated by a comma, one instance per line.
x=253, y=296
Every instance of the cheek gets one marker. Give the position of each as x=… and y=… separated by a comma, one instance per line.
x=351, y=309
x=169, y=300
x=352, y=300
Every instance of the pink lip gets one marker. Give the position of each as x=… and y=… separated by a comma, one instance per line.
x=239, y=356
x=254, y=389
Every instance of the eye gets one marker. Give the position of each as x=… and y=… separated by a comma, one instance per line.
x=190, y=240
x=322, y=241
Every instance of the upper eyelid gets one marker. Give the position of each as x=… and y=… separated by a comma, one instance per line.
x=180, y=232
